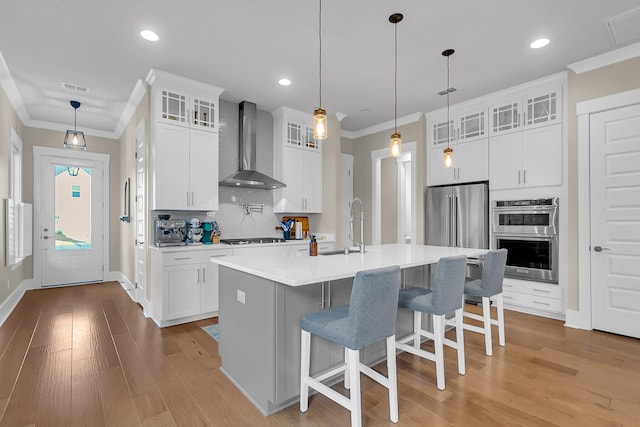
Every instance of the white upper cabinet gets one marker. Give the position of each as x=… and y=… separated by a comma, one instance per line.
x=534, y=109
x=297, y=162
x=465, y=125
x=526, y=159
x=184, y=143
x=469, y=141
x=179, y=107
x=525, y=147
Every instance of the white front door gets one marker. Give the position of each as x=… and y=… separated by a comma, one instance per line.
x=615, y=220
x=71, y=221
x=141, y=224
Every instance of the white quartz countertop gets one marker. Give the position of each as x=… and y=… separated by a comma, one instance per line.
x=298, y=268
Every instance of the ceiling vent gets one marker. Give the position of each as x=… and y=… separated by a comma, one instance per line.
x=446, y=91
x=75, y=87
x=625, y=27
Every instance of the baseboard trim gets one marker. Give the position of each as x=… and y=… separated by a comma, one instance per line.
x=8, y=305
x=577, y=320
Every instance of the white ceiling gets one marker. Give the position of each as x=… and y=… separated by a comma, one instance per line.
x=245, y=46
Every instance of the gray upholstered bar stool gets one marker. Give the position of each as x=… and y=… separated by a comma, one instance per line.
x=444, y=297
x=370, y=317
x=488, y=286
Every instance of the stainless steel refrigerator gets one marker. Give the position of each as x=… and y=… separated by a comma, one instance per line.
x=457, y=215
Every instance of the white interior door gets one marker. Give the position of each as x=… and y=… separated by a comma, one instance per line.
x=72, y=227
x=140, y=217
x=404, y=198
x=615, y=220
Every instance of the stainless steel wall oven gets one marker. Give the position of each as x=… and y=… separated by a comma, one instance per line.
x=528, y=229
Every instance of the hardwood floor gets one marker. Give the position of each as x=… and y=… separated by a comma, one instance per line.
x=85, y=356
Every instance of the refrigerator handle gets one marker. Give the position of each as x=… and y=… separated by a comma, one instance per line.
x=455, y=221
x=448, y=224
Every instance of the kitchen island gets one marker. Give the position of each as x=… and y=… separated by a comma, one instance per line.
x=263, y=297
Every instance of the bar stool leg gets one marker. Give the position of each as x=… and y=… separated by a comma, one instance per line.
x=347, y=384
x=354, y=379
x=392, y=375
x=305, y=360
x=460, y=341
x=486, y=314
x=417, y=325
x=500, y=307
x=438, y=334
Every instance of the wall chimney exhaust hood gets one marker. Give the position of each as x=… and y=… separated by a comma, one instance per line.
x=248, y=176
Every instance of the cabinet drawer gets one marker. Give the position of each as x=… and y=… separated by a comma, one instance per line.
x=533, y=301
x=192, y=257
x=533, y=288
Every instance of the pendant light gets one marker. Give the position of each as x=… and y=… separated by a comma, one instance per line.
x=395, y=144
x=448, y=152
x=74, y=139
x=320, y=115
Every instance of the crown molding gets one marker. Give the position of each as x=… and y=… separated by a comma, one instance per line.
x=609, y=58
x=138, y=93
x=10, y=88
x=411, y=118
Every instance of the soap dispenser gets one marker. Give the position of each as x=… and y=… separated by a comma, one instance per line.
x=313, y=246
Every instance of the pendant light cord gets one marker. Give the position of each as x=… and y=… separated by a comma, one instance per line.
x=448, y=91
x=320, y=50
x=395, y=77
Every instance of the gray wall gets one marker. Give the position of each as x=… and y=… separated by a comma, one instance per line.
x=8, y=120
x=363, y=178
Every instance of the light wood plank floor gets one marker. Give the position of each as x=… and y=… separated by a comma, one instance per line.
x=85, y=356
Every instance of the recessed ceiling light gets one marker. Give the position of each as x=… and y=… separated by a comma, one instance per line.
x=149, y=35
x=284, y=82
x=537, y=44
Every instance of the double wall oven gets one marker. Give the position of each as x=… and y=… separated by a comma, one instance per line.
x=528, y=229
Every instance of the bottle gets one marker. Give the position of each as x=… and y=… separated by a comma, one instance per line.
x=313, y=246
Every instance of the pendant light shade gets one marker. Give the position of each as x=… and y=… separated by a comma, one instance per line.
x=319, y=124
x=74, y=139
x=448, y=152
x=448, y=157
x=319, y=115
x=395, y=143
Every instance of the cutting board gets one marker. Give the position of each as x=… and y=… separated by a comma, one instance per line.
x=303, y=219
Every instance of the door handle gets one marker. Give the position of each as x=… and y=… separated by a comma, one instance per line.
x=600, y=249
x=47, y=237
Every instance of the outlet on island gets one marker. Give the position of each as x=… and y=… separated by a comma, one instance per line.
x=241, y=297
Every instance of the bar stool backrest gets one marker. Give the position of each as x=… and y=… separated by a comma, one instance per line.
x=448, y=284
x=493, y=272
x=373, y=307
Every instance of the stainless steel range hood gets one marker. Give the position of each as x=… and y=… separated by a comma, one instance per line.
x=248, y=176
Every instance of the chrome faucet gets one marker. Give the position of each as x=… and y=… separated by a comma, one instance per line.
x=360, y=244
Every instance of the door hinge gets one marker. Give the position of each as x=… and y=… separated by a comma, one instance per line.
x=135, y=155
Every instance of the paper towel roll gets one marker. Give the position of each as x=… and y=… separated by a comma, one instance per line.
x=298, y=230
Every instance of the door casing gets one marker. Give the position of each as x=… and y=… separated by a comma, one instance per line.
x=38, y=153
x=581, y=318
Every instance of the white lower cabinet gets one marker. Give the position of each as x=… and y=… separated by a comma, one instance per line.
x=184, y=285
x=533, y=297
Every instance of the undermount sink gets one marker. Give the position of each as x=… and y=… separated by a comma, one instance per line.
x=340, y=252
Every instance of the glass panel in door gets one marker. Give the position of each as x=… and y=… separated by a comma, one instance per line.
x=72, y=208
